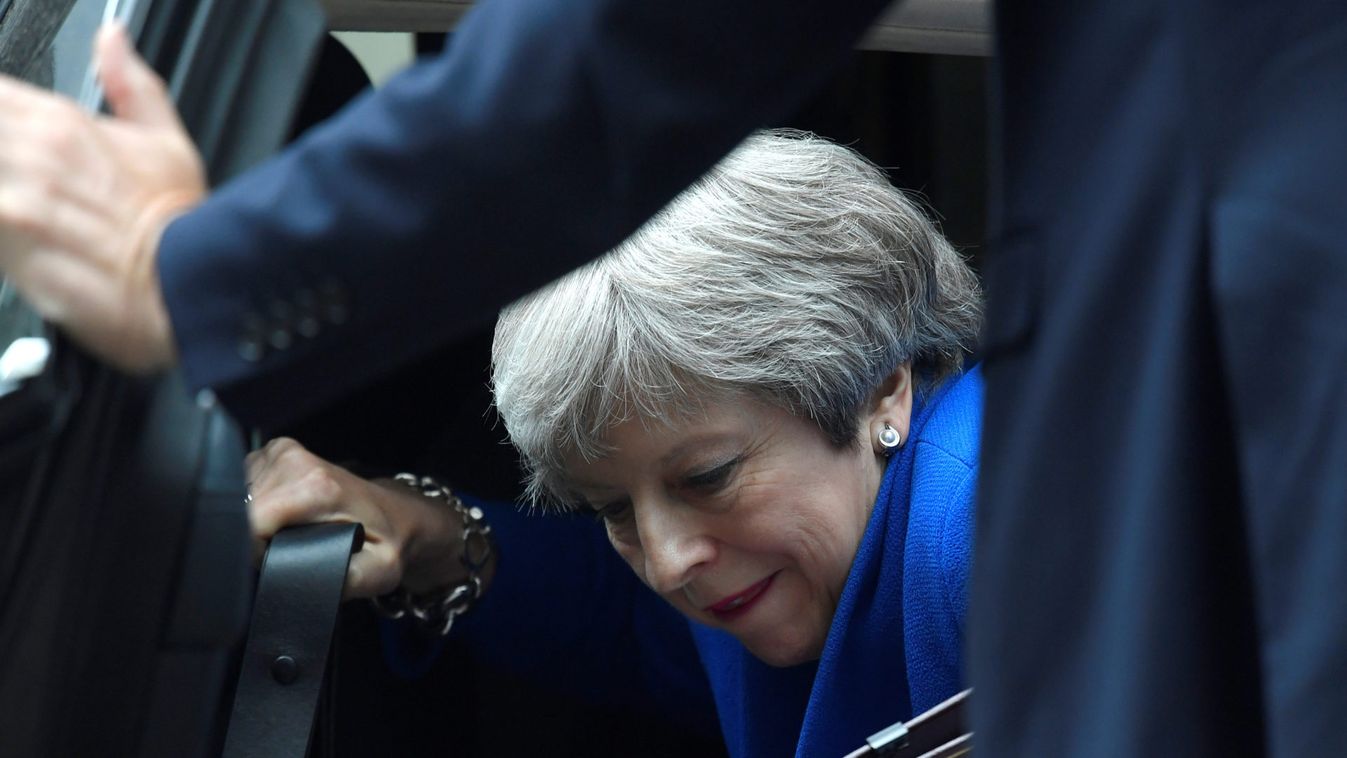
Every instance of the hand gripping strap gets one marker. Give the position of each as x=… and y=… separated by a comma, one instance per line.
x=294, y=613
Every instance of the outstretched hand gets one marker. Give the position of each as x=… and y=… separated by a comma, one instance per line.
x=410, y=540
x=84, y=199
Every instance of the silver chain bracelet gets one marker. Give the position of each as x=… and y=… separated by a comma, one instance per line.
x=435, y=611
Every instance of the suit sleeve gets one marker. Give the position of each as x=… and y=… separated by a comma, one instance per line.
x=547, y=132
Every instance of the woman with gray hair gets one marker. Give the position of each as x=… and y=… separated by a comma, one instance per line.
x=761, y=396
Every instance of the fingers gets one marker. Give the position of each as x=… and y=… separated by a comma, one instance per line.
x=133, y=90
x=49, y=213
x=258, y=461
x=21, y=101
x=292, y=486
x=375, y=570
x=56, y=285
x=84, y=200
x=280, y=461
x=307, y=500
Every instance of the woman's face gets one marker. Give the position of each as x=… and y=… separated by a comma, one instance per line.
x=745, y=518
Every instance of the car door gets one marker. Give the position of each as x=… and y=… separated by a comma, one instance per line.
x=124, y=569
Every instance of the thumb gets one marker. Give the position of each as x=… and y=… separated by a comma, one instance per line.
x=133, y=90
x=373, y=571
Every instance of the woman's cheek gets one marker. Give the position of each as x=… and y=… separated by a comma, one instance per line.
x=631, y=554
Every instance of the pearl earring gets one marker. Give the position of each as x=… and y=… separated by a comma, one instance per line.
x=889, y=439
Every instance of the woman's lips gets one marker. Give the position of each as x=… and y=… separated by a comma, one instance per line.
x=739, y=603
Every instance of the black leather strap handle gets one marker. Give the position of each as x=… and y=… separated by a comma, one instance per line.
x=295, y=611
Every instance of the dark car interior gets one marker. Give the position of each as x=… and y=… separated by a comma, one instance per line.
x=125, y=575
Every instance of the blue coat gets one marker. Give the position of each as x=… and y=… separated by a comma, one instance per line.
x=565, y=610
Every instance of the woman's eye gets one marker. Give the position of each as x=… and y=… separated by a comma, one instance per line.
x=712, y=478
x=614, y=513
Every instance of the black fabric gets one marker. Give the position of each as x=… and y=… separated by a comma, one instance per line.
x=131, y=515
x=285, y=659
x=337, y=78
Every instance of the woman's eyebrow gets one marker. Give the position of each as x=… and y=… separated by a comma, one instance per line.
x=575, y=486
x=696, y=441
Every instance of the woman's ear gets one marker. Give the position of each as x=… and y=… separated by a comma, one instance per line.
x=890, y=408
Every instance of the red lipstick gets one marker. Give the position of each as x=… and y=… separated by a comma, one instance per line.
x=736, y=605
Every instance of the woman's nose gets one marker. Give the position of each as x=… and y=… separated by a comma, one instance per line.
x=675, y=543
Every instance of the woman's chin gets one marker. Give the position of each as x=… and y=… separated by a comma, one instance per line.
x=782, y=653
x=785, y=628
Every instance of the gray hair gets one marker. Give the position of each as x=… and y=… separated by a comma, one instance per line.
x=793, y=273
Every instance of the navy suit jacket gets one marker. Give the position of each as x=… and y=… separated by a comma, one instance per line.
x=1163, y=501
x=547, y=132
